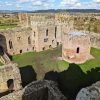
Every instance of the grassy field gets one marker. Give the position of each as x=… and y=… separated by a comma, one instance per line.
x=46, y=61
x=42, y=62
x=7, y=26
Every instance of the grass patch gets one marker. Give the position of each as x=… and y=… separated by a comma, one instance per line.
x=1, y=64
x=93, y=63
x=42, y=62
x=7, y=26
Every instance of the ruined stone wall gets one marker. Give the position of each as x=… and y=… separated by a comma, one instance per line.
x=44, y=28
x=95, y=40
x=42, y=90
x=17, y=95
x=18, y=40
x=46, y=36
x=90, y=93
x=24, y=20
x=8, y=72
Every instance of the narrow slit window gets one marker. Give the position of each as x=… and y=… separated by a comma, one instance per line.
x=78, y=50
x=47, y=32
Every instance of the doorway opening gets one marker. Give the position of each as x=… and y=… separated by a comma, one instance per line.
x=1, y=50
x=10, y=84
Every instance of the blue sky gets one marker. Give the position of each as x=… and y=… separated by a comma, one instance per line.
x=48, y=4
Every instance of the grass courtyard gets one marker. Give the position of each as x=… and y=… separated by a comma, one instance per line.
x=46, y=61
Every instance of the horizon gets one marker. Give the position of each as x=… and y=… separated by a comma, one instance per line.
x=33, y=5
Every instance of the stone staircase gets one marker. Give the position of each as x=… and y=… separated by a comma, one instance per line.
x=4, y=58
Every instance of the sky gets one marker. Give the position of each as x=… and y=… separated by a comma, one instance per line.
x=48, y=4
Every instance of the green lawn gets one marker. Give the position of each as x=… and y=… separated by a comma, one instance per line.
x=42, y=62
x=93, y=63
x=46, y=61
x=7, y=26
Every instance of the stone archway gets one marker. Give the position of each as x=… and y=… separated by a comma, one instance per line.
x=1, y=51
x=10, y=84
x=3, y=45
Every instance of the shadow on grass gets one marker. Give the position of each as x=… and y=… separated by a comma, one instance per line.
x=27, y=75
x=73, y=79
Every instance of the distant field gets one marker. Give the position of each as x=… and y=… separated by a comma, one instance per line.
x=46, y=61
x=7, y=26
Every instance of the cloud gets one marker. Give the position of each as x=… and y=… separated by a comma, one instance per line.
x=43, y=4
x=23, y=1
x=77, y=4
x=69, y=2
x=49, y=4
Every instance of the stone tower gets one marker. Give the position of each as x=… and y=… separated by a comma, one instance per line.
x=76, y=47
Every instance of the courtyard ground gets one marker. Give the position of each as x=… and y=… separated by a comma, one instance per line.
x=46, y=61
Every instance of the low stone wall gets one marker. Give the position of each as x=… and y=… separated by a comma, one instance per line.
x=13, y=96
x=95, y=40
x=90, y=93
x=42, y=90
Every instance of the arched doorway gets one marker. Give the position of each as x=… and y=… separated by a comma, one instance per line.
x=1, y=51
x=3, y=45
x=10, y=84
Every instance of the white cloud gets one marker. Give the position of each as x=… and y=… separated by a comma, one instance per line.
x=68, y=2
x=96, y=1
x=77, y=4
x=43, y=4
x=23, y=1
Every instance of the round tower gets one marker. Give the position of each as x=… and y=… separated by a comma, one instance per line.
x=76, y=47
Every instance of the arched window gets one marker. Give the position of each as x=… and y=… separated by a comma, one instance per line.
x=47, y=32
x=10, y=84
x=78, y=50
x=10, y=44
x=29, y=40
x=43, y=48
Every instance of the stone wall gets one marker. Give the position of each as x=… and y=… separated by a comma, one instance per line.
x=9, y=72
x=17, y=40
x=17, y=95
x=42, y=90
x=90, y=93
x=95, y=40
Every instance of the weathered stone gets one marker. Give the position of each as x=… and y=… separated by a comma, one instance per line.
x=42, y=90
x=90, y=93
x=76, y=47
x=9, y=72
